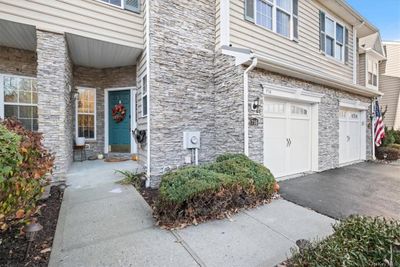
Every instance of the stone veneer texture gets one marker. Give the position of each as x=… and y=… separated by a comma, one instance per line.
x=328, y=119
x=17, y=61
x=181, y=69
x=54, y=80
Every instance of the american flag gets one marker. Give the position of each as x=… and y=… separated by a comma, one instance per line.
x=379, y=126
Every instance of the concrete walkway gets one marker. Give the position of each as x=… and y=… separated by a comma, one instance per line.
x=105, y=224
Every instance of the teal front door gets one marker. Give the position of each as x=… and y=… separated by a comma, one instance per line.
x=119, y=132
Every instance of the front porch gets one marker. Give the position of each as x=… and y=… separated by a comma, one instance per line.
x=65, y=86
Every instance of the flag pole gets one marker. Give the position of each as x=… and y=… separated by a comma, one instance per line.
x=373, y=127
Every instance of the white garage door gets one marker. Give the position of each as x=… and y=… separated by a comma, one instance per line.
x=349, y=136
x=287, y=137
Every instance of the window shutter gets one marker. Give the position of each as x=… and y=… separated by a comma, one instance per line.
x=322, y=31
x=249, y=10
x=296, y=20
x=346, y=47
x=132, y=5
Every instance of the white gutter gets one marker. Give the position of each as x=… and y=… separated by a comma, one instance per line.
x=246, y=104
x=148, y=173
x=373, y=127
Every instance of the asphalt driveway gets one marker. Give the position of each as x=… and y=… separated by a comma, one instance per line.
x=366, y=188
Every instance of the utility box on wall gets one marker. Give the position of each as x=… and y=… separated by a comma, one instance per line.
x=191, y=140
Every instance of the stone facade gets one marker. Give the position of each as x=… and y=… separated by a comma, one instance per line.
x=181, y=70
x=54, y=82
x=102, y=79
x=17, y=62
x=328, y=117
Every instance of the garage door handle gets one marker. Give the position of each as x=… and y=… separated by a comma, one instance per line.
x=287, y=142
x=348, y=138
x=290, y=141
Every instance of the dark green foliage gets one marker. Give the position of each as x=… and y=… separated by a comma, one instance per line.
x=387, y=153
x=135, y=179
x=395, y=134
x=195, y=194
x=390, y=137
x=357, y=241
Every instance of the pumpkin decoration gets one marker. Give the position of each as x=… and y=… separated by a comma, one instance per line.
x=276, y=187
x=118, y=113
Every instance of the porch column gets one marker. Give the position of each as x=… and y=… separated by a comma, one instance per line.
x=55, y=111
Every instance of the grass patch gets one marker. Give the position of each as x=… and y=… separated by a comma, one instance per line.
x=195, y=194
x=357, y=241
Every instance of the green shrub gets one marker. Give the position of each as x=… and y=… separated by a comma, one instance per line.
x=396, y=135
x=387, y=153
x=24, y=164
x=357, y=241
x=195, y=194
x=390, y=137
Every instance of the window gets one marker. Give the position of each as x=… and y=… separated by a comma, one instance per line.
x=113, y=2
x=86, y=114
x=276, y=15
x=334, y=39
x=144, y=96
x=19, y=97
x=372, y=70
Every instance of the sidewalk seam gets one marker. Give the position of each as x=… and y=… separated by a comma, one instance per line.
x=186, y=246
x=272, y=229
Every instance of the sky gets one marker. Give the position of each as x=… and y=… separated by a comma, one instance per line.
x=384, y=14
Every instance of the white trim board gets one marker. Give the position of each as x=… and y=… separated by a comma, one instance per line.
x=291, y=93
x=353, y=104
x=133, y=116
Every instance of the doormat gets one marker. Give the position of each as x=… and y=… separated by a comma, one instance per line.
x=115, y=159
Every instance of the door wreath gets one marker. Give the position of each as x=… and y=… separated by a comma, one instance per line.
x=118, y=113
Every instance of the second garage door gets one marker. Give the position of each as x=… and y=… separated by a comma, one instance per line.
x=287, y=137
x=349, y=136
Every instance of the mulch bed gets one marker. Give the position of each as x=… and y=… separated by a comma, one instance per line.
x=13, y=245
x=150, y=195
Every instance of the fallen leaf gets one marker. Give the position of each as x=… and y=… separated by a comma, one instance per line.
x=19, y=214
x=45, y=250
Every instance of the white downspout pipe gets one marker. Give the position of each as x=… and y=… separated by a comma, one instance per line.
x=148, y=174
x=246, y=104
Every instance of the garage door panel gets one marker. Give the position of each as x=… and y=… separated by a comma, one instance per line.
x=275, y=145
x=349, y=136
x=299, y=149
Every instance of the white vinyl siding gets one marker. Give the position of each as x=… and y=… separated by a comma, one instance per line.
x=19, y=100
x=87, y=18
x=304, y=54
x=372, y=72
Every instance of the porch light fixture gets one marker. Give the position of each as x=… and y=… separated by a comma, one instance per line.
x=256, y=104
x=31, y=231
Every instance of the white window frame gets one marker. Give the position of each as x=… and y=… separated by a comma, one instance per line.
x=2, y=102
x=335, y=22
x=84, y=113
x=144, y=77
x=275, y=7
x=122, y=6
x=376, y=63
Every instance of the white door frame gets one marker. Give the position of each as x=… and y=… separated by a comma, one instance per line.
x=133, y=116
x=362, y=108
x=299, y=95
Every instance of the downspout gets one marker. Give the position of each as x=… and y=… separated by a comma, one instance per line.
x=246, y=104
x=148, y=180
x=373, y=126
